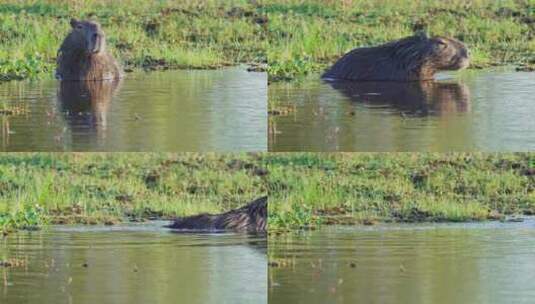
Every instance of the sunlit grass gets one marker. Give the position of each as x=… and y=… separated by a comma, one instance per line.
x=105, y=188
x=307, y=36
x=307, y=189
x=148, y=34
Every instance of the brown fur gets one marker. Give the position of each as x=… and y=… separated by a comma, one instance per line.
x=412, y=58
x=417, y=97
x=249, y=218
x=83, y=54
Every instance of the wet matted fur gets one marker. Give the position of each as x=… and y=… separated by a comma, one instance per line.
x=83, y=54
x=412, y=58
x=249, y=218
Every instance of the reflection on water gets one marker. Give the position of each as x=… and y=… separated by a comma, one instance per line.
x=86, y=104
x=485, y=111
x=443, y=263
x=417, y=98
x=222, y=110
x=136, y=264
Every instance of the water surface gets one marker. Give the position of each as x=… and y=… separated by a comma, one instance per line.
x=132, y=264
x=221, y=110
x=475, y=111
x=441, y=263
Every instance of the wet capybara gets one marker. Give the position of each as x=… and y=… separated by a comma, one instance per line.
x=249, y=218
x=83, y=54
x=412, y=58
x=420, y=98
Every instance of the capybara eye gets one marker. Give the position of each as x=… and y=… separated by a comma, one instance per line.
x=79, y=26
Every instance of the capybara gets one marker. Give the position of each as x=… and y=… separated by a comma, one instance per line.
x=412, y=58
x=249, y=218
x=83, y=55
x=420, y=98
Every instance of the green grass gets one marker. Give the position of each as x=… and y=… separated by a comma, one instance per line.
x=307, y=36
x=309, y=189
x=305, y=189
x=92, y=188
x=141, y=34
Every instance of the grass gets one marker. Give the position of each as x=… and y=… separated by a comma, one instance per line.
x=305, y=189
x=92, y=188
x=307, y=36
x=311, y=189
x=196, y=34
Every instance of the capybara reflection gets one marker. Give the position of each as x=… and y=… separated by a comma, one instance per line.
x=413, y=58
x=83, y=54
x=419, y=98
x=249, y=218
x=86, y=103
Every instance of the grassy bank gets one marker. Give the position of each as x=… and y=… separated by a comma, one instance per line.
x=91, y=188
x=142, y=34
x=307, y=36
x=309, y=189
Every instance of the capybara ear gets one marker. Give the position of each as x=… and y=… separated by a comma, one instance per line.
x=74, y=22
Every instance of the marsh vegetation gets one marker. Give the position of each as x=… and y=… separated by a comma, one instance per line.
x=140, y=34
x=96, y=188
x=307, y=36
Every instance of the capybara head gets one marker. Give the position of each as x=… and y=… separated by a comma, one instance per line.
x=447, y=53
x=87, y=36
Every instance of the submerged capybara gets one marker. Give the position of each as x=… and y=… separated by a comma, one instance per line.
x=249, y=218
x=413, y=58
x=83, y=54
x=421, y=98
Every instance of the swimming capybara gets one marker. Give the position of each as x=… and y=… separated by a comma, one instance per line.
x=249, y=218
x=419, y=98
x=413, y=58
x=83, y=54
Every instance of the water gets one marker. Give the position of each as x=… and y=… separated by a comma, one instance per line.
x=478, y=111
x=133, y=264
x=441, y=263
x=222, y=110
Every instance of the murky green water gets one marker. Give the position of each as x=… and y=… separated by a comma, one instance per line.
x=133, y=264
x=442, y=263
x=222, y=110
x=480, y=111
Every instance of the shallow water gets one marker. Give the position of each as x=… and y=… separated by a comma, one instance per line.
x=133, y=264
x=221, y=110
x=477, y=111
x=441, y=263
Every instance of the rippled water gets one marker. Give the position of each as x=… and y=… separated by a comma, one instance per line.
x=478, y=111
x=132, y=264
x=222, y=110
x=441, y=263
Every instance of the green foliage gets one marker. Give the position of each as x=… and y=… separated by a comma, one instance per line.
x=93, y=188
x=28, y=217
x=365, y=187
x=307, y=36
x=142, y=34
